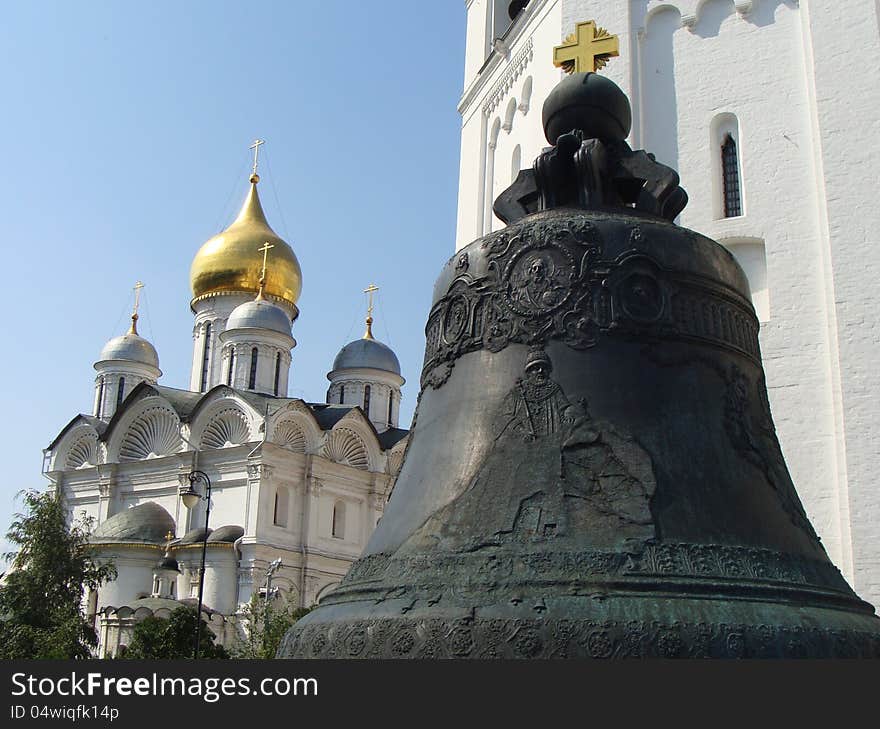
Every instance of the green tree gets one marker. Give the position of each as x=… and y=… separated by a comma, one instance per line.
x=41, y=598
x=265, y=626
x=172, y=637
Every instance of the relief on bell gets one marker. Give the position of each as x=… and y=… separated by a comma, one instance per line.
x=553, y=472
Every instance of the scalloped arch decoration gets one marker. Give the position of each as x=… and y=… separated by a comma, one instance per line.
x=227, y=428
x=83, y=453
x=346, y=446
x=153, y=434
x=289, y=435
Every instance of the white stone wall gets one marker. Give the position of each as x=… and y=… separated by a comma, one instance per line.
x=245, y=478
x=272, y=349
x=108, y=393
x=805, y=106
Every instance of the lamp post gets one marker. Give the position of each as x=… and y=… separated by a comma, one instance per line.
x=270, y=570
x=190, y=498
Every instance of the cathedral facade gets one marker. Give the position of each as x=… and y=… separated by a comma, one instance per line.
x=298, y=484
x=768, y=117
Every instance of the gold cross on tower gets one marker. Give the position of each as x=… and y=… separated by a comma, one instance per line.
x=256, y=147
x=368, y=334
x=265, y=248
x=587, y=49
x=137, y=302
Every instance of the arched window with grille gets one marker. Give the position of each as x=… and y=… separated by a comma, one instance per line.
x=337, y=526
x=231, y=367
x=277, y=371
x=341, y=394
x=725, y=160
x=120, y=392
x=206, y=354
x=252, y=378
x=730, y=178
x=367, y=400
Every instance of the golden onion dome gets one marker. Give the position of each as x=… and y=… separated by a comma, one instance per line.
x=232, y=260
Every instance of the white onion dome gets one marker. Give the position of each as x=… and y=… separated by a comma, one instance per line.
x=367, y=354
x=259, y=314
x=130, y=347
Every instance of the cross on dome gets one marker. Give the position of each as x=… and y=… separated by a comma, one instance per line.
x=368, y=334
x=255, y=178
x=265, y=248
x=134, y=312
x=587, y=49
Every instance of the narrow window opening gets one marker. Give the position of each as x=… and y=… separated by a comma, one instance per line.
x=231, y=367
x=277, y=371
x=338, y=525
x=390, y=406
x=730, y=178
x=120, y=392
x=279, y=515
x=342, y=394
x=206, y=353
x=99, y=406
x=252, y=379
x=367, y=400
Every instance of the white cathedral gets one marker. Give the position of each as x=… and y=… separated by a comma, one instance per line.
x=768, y=109
x=298, y=482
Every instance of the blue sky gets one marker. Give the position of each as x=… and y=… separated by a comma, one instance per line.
x=126, y=131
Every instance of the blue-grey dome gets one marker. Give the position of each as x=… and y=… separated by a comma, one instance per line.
x=367, y=353
x=259, y=314
x=228, y=533
x=147, y=522
x=132, y=348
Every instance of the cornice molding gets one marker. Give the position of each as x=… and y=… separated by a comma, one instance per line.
x=511, y=38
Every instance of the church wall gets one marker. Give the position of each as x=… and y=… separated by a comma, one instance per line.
x=844, y=88
x=134, y=567
x=776, y=68
x=485, y=171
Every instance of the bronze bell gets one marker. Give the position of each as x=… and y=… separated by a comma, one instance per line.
x=593, y=469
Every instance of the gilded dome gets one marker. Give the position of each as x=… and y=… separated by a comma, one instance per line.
x=232, y=260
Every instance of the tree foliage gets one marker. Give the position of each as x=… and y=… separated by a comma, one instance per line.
x=41, y=598
x=172, y=637
x=265, y=624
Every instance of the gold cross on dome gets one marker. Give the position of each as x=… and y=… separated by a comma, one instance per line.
x=134, y=312
x=137, y=296
x=369, y=290
x=266, y=247
x=587, y=49
x=256, y=147
x=368, y=334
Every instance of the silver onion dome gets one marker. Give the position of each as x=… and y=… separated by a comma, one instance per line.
x=368, y=354
x=131, y=348
x=259, y=314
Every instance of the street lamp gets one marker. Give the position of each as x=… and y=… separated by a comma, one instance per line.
x=190, y=498
x=271, y=570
